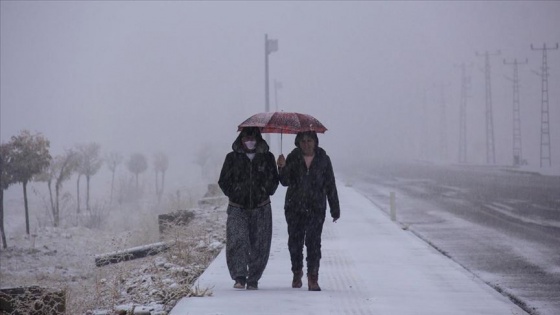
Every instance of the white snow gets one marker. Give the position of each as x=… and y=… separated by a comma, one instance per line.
x=528, y=218
x=370, y=265
x=64, y=257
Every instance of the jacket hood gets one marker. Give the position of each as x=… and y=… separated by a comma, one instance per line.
x=262, y=146
x=312, y=134
x=318, y=151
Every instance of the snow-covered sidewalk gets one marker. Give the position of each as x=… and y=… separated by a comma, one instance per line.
x=370, y=265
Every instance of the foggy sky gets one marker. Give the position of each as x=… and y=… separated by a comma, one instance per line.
x=175, y=76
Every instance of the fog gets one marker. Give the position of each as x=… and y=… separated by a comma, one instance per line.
x=179, y=76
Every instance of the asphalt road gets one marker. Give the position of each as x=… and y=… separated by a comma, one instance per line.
x=502, y=225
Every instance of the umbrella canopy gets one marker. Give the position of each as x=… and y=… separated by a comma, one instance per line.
x=283, y=122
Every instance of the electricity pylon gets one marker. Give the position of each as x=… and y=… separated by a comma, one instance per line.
x=545, y=117
x=465, y=89
x=490, y=147
x=425, y=133
x=443, y=125
x=517, y=156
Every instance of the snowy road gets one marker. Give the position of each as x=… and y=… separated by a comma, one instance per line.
x=503, y=226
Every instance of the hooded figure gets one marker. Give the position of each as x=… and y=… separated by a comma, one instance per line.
x=248, y=178
x=308, y=173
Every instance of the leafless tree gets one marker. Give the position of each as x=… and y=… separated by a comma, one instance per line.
x=161, y=163
x=6, y=179
x=47, y=176
x=30, y=156
x=89, y=162
x=59, y=171
x=63, y=168
x=202, y=156
x=113, y=160
x=205, y=156
x=136, y=165
x=78, y=202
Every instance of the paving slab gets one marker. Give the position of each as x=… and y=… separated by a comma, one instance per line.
x=370, y=265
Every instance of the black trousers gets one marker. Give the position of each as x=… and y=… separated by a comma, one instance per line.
x=305, y=227
x=249, y=236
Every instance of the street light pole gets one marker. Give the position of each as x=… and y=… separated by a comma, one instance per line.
x=277, y=85
x=266, y=88
x=270, y=46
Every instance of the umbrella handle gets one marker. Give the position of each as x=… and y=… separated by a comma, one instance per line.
x=281, y=142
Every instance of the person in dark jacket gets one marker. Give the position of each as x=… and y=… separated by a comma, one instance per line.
x=248, y=177
x=308, y=173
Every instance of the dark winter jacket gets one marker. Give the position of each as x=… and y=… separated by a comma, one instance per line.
x=309, y=189
x=247, y=182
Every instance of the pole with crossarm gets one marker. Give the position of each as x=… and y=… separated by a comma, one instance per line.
x=517, y=156
x=490, y=147
x=545, y=115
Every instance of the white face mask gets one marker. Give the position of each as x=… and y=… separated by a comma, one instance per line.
x=251, y=144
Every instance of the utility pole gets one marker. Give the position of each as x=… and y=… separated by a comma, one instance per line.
x=545, y=117
x=270, y=46
x=465, y=93
x=517, y=156
x=490, y=147
x=443, y=125
x=425, y=133
x=277, y=86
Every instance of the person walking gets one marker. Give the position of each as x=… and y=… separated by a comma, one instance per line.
x=309, y=176
x=248, y=178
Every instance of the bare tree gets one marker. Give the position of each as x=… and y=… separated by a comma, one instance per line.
x=59, y=171
x=161, y=163
x=6, y=179
x=113, y=160
x=89, y=162
x=63, y=168
x=205, y=156
x=136, y=165
x=30, y=156
x=47, y=176
x=202, y=156
x=78, y=158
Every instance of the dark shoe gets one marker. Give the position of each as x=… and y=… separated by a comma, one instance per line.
x=252, y=285
x=313, y=282
x=296, y=282
x=239, y=283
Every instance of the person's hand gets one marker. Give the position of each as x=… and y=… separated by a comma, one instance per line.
x=281, y=162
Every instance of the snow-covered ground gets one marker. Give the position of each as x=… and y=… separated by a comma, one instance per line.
x=370, y=265
x=549, y=171
x=443, y=210
x=64, y=257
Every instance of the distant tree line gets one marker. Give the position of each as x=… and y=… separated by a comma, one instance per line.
x=27, y=158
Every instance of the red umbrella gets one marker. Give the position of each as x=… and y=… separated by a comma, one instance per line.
x=283, y=122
